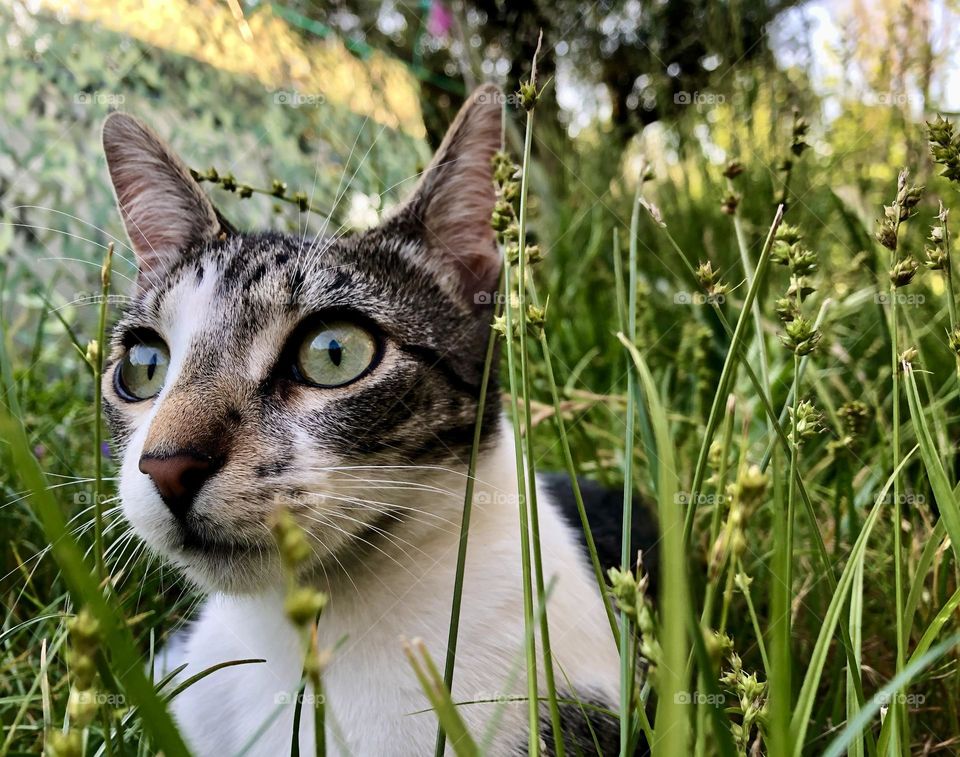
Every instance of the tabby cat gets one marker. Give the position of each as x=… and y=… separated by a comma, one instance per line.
x=339, y=378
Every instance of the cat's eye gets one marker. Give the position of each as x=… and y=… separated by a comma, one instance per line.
x=143, y=369
x=335, y=354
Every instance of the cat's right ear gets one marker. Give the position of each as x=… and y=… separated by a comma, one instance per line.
x=163, y=208
x=454, y=201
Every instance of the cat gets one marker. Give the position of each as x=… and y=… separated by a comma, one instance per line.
x=339, y=378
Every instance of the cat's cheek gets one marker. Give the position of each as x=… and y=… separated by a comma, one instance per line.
x=142, y=506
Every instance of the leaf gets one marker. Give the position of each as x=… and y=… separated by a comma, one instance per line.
x=673, y=722
x=856, y=639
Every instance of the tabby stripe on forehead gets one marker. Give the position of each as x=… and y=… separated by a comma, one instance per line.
x=435, y=361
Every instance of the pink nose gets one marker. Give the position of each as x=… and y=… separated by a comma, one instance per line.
x=178, y=478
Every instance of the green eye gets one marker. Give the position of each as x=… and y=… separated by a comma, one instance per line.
x=143, y=370
x=335, y=354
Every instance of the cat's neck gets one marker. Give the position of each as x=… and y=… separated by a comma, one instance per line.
x=421, y=519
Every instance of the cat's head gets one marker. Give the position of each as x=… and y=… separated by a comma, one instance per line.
x=326, y=375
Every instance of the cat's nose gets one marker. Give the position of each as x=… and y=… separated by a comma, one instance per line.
x=178, y=477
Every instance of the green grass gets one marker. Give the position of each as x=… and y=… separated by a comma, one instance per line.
x=802, y=587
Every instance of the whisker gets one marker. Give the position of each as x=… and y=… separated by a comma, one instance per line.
x=87, y=262
x=336, y=194
x=78, y=219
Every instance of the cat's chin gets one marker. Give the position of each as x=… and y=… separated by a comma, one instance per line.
x=220, y=566
x=241, y=571
x=212, y=558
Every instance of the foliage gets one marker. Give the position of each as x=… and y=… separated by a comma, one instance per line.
x=641, y=55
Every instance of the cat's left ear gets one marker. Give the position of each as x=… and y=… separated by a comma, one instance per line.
x=454, y=202
x=163, y=208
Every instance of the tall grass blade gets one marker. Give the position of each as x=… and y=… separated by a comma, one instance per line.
x=454, y=630
x=432, y=684
x=942, y=490
x=808, y=691
x=673, y=722
x=726, y=374
x=886, y=693
x=84, y=588
x=856, y=638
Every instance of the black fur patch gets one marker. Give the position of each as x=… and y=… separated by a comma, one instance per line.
x=604, y=509
x=588, y=726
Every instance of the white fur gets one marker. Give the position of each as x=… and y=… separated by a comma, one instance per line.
x=373, y=700
x=141, y=503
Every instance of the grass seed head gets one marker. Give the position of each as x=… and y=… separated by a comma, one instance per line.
x=733, y=169
x=85, y=632
x=800, y=336
x=291, y=540
x=944, y=147
x=60, y=744
x=903, y=271
x=751, y=486
x=528, y=95
x=730, y=204
x=303, y=604
x=953, y=339
x=82, y=707
x=886, y=233
x=806, y=422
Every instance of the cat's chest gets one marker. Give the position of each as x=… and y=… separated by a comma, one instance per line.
x=253, y=703
x=373, y=702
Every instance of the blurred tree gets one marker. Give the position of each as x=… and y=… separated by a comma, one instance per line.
x=647, y=58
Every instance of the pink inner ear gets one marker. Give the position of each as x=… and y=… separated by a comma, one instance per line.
x=163, y=208
x=458, y=225
x=459, y=193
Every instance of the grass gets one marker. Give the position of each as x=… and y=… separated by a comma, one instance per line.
x=805, y=589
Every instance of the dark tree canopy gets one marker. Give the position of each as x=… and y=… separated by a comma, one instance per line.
x=646, y=55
